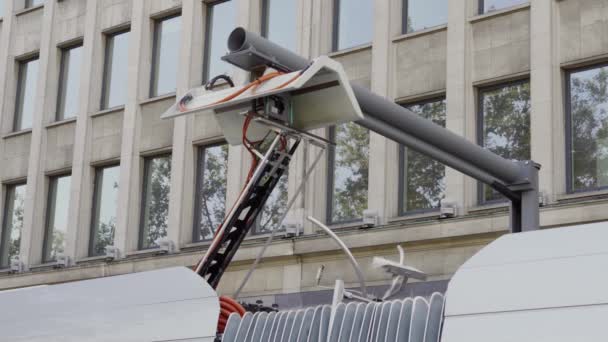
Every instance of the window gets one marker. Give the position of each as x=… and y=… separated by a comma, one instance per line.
x=268, y=219
x=210, y=201
x=26, y=94
x=353, y=23
x=279, y=23
x=33, y=3
x=587, y=124
x=165, y=56
x=114, y=90
x=56, y=217
x=105, y=199
x=221, y=20
x=69, y=83
x=155, y=206
x=348, y=173
x=422, y=178
x=504, y=125
x=421, y=14
x=13, y=223
x=486, y=6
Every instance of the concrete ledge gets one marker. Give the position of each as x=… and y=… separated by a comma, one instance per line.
x=499, y=13
x=157, y=98
x=107, y=111
x=351, y=50
x=28, y=10
x=18, y=133
x=60, y=123
x=426, y=31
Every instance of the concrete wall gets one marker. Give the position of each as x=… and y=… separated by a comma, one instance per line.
x=539, y=40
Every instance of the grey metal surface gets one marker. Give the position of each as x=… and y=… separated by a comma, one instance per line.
x=410, y=320
x=516, y=181
x=132, y=307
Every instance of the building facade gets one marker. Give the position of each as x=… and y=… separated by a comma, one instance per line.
x=86, y=162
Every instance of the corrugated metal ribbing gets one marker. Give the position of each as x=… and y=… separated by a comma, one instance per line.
x=409, y=320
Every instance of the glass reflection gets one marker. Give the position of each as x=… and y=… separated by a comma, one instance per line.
x=166, y=56
x=105, y=204
x=280, y=21
x=422, y=14
x=70, y=83
x=355, y=23
x=157, y=184
x=211, y=192
x=26, y=94
x=57, y=219
x=13, y=224
x=221, y=20
x=117, y=58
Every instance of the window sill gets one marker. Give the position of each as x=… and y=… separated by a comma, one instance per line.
x=28, y=10
x=43, y=266
x=498, y=13
x=492, y=207
x=420, y=216
x=145, y=253
x=93, y=259
x=61, y=123
x=358, y=224
x=158, y=98
x=197, y=245
x=5, y=270
x=591, y=194
x=424, y=32
x=350, y=50
x=18, y=133
x=108, y=111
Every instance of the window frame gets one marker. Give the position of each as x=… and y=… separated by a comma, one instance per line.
x=405, y=9
x=62, y=81
x=51, y=193
x=481, y=7
x=155, y=52
x=568, y=127
x=30, y=4
x=19, y=101
x=331, y=169
x=479, y=125
x=94, y=212
x=11, y=187
x=402, y=172
x=335, y=35
x=208, y=30
x=104, y=100
x=144, y=197
x=200, y=154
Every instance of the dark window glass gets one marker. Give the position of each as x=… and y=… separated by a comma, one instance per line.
x=155, y=207
x=32, y=3
x=353, y=23
x=221, y=20
x=280, y=18
x=275, y=207
x=165, y=56
x=115, y=73
x=57, y=217
x=486, y=6
x=588, y=121
x=505, y=124
x=26, y=94
x=423, y=177
x=13, y=224
x=348, y=176
x=421, y=14
x=210, y=191
x=69, y=83
x=104, y=209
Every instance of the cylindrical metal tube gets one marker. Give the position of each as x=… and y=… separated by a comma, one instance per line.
x=414, y=143
x=457, y=152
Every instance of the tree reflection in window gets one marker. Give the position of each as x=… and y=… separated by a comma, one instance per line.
x=13, y=224
x=588, y=99
x=424, y=177
x=349, y=165
x=157, y=185
x=211, y=190
x=505, y=124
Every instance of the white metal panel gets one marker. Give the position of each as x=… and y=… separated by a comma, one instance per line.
x=419, y=316
x=405, y=319
x=510, y=275
x=232, y=327
x=288, y=326
x=570, y=324
x=268, y=326
x=347, y=322
x=258, y=329
x=297, y=326
x=161, y=305
x=393, y=321
x=382, y=322
x=305, y=327
x=315, y=325
x=366, y=323
x=434, y=319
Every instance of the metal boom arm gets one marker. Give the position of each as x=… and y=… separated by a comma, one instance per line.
x=517, y=180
